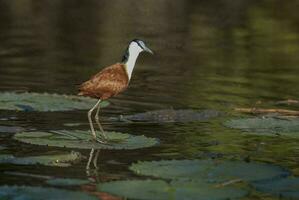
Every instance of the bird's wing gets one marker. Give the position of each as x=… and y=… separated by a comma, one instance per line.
x=108, y=82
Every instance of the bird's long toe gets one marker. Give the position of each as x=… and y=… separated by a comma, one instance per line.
x=99, y=140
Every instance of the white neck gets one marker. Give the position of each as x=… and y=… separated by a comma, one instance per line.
x=131, y=63
x=133, y=52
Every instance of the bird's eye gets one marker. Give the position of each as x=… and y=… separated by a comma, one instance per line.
x=141, y=44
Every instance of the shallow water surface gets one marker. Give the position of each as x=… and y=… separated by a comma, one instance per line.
x=215, y=55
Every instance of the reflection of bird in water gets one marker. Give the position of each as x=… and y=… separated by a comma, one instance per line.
x=111, y=81
x=93, y=158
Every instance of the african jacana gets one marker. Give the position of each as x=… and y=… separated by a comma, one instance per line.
x=111, y=81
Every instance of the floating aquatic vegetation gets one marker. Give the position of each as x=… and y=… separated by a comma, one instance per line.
x=29, y=101
x=2, y=147
x=67, y=182
x=177, y=190
x=208, y=170
x=82, y=140
x=37, y=193
x=193, y=179
x=171, y=115
x=10, y=129
x=60, y=160
x=271, y=126
x=286, y=188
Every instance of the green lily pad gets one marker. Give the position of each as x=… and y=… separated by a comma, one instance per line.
x=38, y=193
x=67, y=182
x=61, y=160
x=82, y=140
x=171, y=115
x=270, y=126
x=208, y=170
x=160, y=190
x=286, y=188
x=30, y=101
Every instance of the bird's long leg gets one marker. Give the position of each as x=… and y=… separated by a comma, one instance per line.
x=98, y=123
x=90, y=120
x=95, y=159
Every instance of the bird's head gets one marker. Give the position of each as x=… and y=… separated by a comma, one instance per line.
x=139, y=46
x=135, y=47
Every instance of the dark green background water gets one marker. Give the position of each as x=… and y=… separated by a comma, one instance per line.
x=208, y=54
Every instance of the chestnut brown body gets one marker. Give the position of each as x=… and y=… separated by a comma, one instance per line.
x=107, y=83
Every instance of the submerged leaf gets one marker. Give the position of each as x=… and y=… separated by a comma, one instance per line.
x=72, y=124
x=267, y=126
x=52, y=180
x=285, y=112
x=13, y=173
x=67, y=182
x=60, y=160
x=10, y=129
x=82, y=140
x=170, y=115
x=44, y=102
x=208, y=170
x=287, y=188
x=8, y=118
x=160, y=190
x=38, y=193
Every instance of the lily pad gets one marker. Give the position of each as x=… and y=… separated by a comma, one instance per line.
x=160, y=190
x=287, y=188
x=170, y=115
x=209, y=171
x=38, y=193
x=30, y=101
x=61, y=160
x=10, y=129
x=67, y=182
x=82, y=140
x=271, y=126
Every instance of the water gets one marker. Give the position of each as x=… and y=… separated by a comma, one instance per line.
x=208, y=55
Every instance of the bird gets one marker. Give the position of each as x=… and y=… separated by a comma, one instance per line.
x=111, y=81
